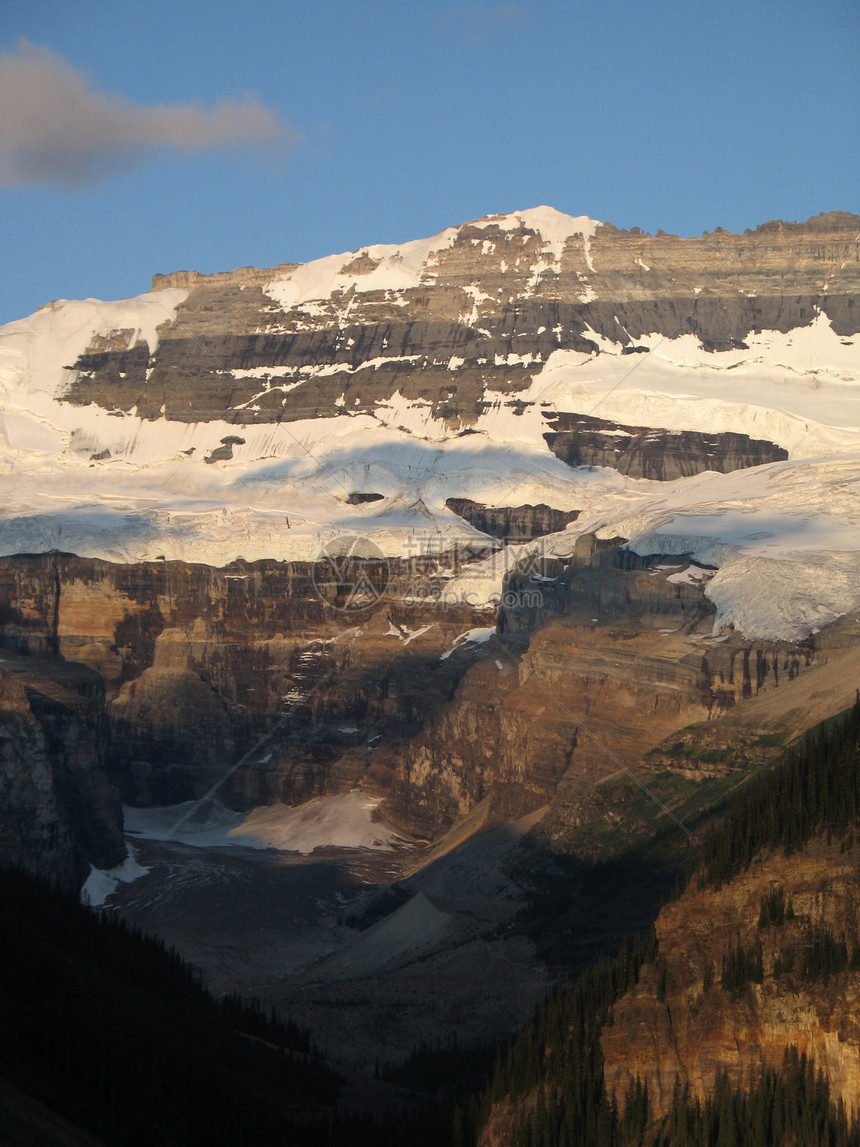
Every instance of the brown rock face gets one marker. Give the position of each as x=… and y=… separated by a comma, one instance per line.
x=492, y=303
x=619, y=658
x=198, y=664
x=650, y=452
x=596, y=663
x=699, y=1029
x=512, y=523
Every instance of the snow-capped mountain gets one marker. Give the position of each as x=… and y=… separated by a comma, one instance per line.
x=519, y=359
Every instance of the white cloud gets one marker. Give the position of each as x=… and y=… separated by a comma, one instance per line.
x=55, y=127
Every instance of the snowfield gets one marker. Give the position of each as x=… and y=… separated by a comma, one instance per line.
x=349, y=821
x=786, y=536
x=102, y=882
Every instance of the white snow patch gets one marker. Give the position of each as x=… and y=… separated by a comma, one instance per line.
x=404, y=634
x=553, y=226
x=399, y=268
x=349, y=820
x=477, y=636
x=37, y=353
x=478, y=297
x=102, y=882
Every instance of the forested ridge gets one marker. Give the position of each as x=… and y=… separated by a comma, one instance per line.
x=814, y=789
x=117, y=1037
x=550, y=1078
x=116, y=1034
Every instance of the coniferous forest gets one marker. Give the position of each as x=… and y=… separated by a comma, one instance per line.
x=814, y=789
x=103, y=1031
x=553, y=1069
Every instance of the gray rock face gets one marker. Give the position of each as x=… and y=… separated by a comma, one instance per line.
x=360, y=497
x=59, y=812
x=490, y=303
x=651, y=452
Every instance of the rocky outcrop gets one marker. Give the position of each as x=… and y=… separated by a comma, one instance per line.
x=680, y=1023
x=512, y=523
x=224, y=452
x=588, y=665
x=360, y=497
x=488, y=309
x=198, y=664
x=620, y=655
x=243, y=276
x=59, y=812
x=651, y=452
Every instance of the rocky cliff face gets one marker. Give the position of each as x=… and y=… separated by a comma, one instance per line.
x=434, y=708
x=59, y=811
x=620, y=656
x=199, y=663
x=680, y=1023
x=512, y=523
x=488, y=304
x=651, y=452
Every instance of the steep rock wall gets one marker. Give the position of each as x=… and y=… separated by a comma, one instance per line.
x=489, y=308
x=512, y=523
x=698, y=1030
x=58, y=810
x=619, y=656
x=651, y=452
x=199, y=664
x=595, y=661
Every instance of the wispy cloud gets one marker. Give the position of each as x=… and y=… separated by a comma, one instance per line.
x=55, y=127
x=476, y=22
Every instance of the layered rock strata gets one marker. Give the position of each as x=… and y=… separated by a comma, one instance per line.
x=198, y=664
x=595, y=662
x=652, y=452
x=488, y=306
x=512, y=523
x=678, y=1023
x=588, y=662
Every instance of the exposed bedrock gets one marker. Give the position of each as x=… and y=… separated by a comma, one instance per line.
x=410, y=700
x=512, y=523
x=487, y=313
x=360, y=497
x=58, y=810
x=199, y=663
x=651, y=452
x=691, y=1029
x=619, y=656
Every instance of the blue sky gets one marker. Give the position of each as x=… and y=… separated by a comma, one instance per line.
x=289, y=131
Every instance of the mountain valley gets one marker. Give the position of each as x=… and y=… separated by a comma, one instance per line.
x=384, y=626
